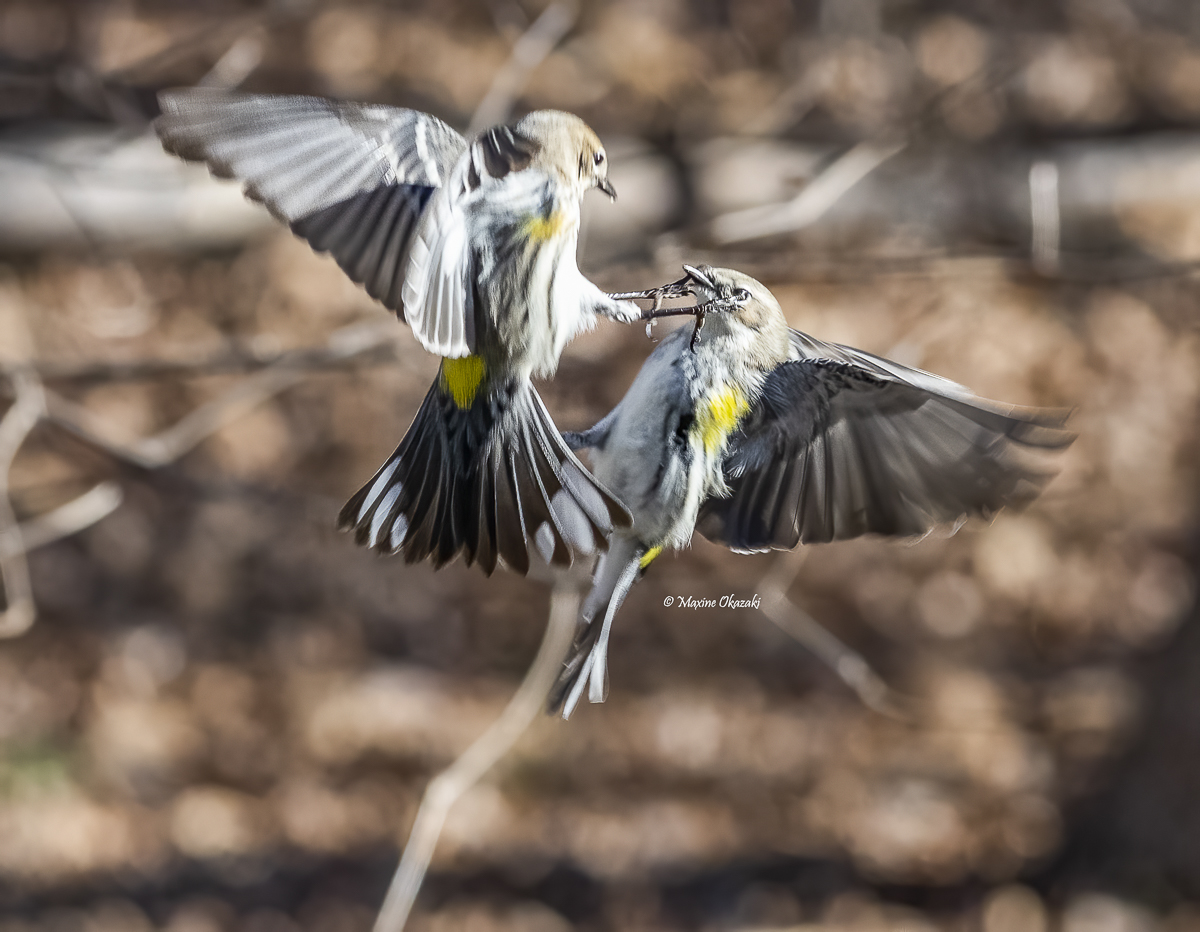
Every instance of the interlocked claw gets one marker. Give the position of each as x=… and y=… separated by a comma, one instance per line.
x=678, y=289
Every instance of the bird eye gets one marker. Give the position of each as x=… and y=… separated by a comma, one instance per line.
x=742, y=294
x=599, y=157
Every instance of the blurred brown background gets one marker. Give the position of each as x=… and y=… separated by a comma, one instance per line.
x=225, y=712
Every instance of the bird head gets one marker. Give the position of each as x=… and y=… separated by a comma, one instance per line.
x=737, y=304
x=731, y=294
x=569, y=146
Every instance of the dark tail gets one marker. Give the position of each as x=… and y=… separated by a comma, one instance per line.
x=587, y=663
x=492, y=480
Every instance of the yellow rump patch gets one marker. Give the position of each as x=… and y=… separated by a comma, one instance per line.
x=718, y=415
x=461, y=378
x=543, y=229
x=648, y=556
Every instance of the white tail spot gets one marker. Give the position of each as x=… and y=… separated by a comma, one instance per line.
x=376, y=488
x=399, y=531
x=382, y=512
x=544, y=541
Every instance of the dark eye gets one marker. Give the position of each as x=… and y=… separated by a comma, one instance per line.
x=599, y=157
x=742, y=294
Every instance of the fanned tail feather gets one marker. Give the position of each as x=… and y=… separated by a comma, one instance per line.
x=493, y=482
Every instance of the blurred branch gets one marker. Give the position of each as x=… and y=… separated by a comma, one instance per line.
x=238, y=62
x=1075, y=268
x=34, y=403
x=816, y=199
x=169, y=445
x=187, y=433
x=849, y=666
x=347, y=345
x=529, y=51
x=788, y=108
x=1044, y=216
x=68, y=519
x=818, y=196
x=207, y=35
x=446, y=788
x=20, y=610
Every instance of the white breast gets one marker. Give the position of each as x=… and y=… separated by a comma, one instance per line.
x=526, y=269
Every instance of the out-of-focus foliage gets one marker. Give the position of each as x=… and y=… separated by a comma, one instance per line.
x=227, y=712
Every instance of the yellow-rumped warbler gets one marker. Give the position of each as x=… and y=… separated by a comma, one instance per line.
x=473, y=244
x=762, y=438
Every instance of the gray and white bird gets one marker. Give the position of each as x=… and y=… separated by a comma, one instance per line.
x=763, y=438
x=473, y=244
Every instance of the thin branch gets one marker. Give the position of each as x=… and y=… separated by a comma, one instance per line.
x=237, y=63
x=818, y=196
x=206, y=420
x=1044, y=210
x=65, y=520
x=188, y=45
x=789, y=108
x=34, y=403
x=827, y=188
x=529, y=51
x=446, y=788
x=17, y=540
x=78, y=421
x=20, y=611
x=186, y=434
x=849, y=665
x=346, y=345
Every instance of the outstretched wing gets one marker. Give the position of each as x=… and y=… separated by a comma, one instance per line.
x=352, y=179
x=843, y=443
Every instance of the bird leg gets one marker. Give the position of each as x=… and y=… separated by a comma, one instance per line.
x=700, y=311
x=677, y=289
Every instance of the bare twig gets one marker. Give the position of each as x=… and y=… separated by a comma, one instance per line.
x=529, y=51
x=850, y=666
x=17, y=540
x=238, y=62
x=855, y=164
x=33, y=403
x=182, y=437
x=818, y=196
x=349, y=344
x=189, y=45
x=788, y=108
x=1044, y=216
x=206, y=420
x=446, y=788
x=19, y=420
x=65, y=520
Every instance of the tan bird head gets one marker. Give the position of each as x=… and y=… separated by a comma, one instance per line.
x=735, y=303
x=567, y=145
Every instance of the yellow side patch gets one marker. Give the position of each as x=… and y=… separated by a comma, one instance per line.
x=648, y=556
x=718, y=415
x=543, y=229
x=461, y=378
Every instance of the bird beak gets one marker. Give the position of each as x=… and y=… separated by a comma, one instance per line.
x=606, y=186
